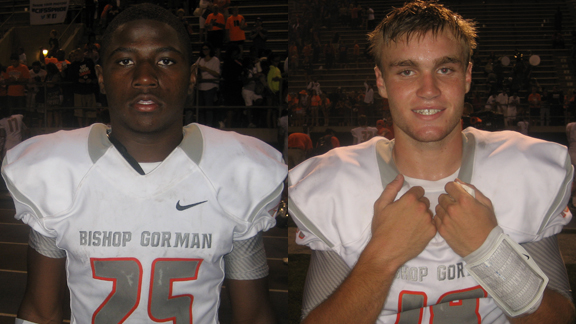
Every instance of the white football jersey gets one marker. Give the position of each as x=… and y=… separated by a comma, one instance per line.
x=13, y=126
x=362, y=134
x=528, y=181
x=145, y=248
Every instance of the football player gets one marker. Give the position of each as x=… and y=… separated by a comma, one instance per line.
x=145, y=219
x=445, y=226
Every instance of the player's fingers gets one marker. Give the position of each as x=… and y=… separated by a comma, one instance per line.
x=480, y=197
x=426, y=201
x=390, y=192
x=444, y=200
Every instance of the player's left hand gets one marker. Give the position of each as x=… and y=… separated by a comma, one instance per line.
x=462, y=220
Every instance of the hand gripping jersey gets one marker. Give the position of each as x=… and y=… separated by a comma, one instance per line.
x=332, y=199
x=145, y=248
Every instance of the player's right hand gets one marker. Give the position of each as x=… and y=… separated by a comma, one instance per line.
x=402, y=228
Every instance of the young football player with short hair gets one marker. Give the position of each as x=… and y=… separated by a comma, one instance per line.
x=147, y=218
x=445, y=225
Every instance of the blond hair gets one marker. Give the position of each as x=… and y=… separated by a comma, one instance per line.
x=418, y=18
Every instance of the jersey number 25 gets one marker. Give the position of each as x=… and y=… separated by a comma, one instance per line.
x=126, y=276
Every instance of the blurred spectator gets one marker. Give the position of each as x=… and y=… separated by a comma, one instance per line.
x=299, y=146
x=258, y=35
x=235, y=26
x=110, y=11
x=315, y=102
x=293, y=55
x=208, y=83
x=534, y=102
x=326, y=107
x=180, y=13
x=275, y=79
x=513, y=107
x=22, y=56
x=53, y=43
x=82, y=74
x=252, y=88
x=202, y=12
x=491, y=103
x=18, y=76
x=369, y=97
x=53, y=96
x=314, y=85
x=223, y=6
x=215, y=30
x=502, y=102
x=59, y=60
x=37, y=77
x=326, y=142
x=363, y=132
x=371, y=21
x=92, y=49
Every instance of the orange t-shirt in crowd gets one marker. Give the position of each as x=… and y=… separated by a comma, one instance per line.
x=233, y=25
x=19, y=73
x=315, y=101
x=300, y=141
x=59, y=64
x=218, y=18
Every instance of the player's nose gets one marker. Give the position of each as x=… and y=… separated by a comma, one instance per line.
x=145, y=75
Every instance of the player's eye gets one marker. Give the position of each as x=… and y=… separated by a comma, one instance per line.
x=445, y=70
x=125, y=62
x=406, y=73
x=166, y=62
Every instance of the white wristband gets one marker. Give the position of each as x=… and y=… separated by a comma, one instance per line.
x=21, y=321
x=508, y=273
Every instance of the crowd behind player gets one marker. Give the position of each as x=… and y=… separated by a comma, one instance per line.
x=241, y=79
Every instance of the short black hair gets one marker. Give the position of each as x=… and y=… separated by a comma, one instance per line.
x=14, y=57
x=147, y=11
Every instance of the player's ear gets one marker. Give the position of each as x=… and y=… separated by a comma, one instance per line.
x=468, y=76
x=380, y=83
x=193, y=72
x=100, y=78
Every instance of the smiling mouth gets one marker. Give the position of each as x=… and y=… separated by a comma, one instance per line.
x=427, y=112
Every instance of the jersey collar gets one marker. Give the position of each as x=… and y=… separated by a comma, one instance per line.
x=388, y=170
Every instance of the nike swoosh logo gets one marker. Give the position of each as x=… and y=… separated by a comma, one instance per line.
x=180, y=207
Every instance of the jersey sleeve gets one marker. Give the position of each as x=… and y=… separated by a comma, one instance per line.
x=247, y=261
x=331, y=198
x=248, y=177
x=528, y=181
x=42, y=175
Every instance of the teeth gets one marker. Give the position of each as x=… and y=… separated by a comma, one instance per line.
x=146, y=102
x=427, y=112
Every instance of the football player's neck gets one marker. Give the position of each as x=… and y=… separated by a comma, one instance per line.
x=149, y=147
x=428, y=161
